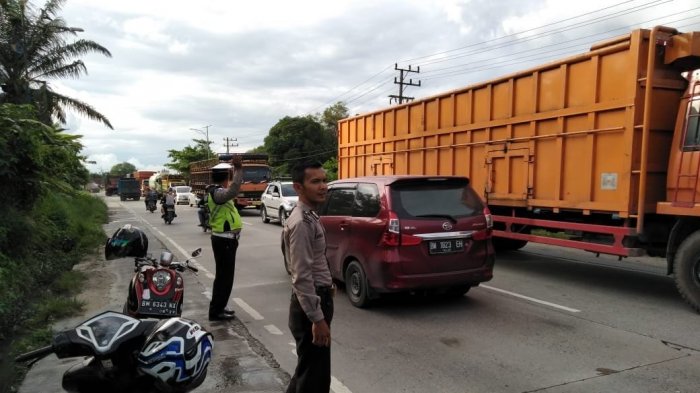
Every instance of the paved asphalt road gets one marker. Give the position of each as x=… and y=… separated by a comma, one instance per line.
x=551, y=320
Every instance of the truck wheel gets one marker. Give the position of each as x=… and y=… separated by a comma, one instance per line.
x=686, y=270
x=356, y=285
x=263, y=215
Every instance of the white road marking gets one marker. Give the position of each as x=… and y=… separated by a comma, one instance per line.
x=262, y=284
x=532, y=299
x=250, y=310
x=338, y=386
x=273, y=330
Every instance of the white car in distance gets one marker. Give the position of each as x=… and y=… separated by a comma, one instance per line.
x=278, y=200
x=184, y=196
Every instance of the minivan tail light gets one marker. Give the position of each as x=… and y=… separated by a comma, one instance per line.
x=488, y=217
x=392, y=236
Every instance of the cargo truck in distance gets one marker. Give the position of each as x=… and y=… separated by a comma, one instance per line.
x=256, y=174
x=603, y=147
x=142, y=177
x=129, y=188
x=111, y=184
x=160, y=182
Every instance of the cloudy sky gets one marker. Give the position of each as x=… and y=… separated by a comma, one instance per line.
x=240, y=66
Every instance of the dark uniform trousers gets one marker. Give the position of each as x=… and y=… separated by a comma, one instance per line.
x=225, y=259
x=313, y=372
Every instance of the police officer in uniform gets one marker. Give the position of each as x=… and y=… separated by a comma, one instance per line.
x=311, y=306
x=226, y=227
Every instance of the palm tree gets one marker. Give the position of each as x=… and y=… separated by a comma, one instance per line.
x=32, y=50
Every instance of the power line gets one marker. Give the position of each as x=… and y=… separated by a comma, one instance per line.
x=546, y=34
x=357, y=96
x=510, y=62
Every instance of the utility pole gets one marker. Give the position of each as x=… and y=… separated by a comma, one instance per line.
x=230, y=142
x=400, y=98
x=206, y=134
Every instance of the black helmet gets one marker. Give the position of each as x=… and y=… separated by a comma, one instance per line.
x=127, y=241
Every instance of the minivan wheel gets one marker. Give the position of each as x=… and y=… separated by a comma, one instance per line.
x=356, y=285
x=263, y=215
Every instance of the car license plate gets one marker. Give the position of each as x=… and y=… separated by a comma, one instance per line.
x=158, y=307
x=445, y=246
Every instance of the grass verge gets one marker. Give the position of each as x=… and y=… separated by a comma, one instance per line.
x=57, y=302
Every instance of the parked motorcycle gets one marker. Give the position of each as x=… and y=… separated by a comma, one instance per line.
x=123, y=354
x=151, y=205
x=157, y=288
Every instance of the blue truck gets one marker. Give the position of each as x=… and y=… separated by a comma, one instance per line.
x=129, y=188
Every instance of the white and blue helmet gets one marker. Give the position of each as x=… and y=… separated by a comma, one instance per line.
x=177, y=355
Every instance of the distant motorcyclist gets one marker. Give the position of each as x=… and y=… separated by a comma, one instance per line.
x=203, y=210
x=151, y=196
x=167, y=201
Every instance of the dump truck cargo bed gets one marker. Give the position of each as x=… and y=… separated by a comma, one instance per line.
x=563, y=136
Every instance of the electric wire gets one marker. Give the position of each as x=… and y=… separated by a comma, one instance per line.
x=510, y=62
x=513, y=42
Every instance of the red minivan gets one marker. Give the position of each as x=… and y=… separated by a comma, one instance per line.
x=405, y=233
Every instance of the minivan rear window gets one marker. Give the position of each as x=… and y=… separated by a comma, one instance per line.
x=430, y=199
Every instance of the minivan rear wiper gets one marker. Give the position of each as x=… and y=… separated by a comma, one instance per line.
x=447, y=216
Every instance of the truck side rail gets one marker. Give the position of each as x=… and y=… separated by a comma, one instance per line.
x=616, y=248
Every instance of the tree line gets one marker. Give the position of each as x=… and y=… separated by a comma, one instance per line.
x=290, y=141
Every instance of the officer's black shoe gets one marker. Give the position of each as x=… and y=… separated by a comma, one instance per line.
x=221, y=316
x=229, y=311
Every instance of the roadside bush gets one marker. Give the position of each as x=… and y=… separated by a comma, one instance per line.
x=35, y=249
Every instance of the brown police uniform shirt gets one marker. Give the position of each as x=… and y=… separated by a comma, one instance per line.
x=305, y=242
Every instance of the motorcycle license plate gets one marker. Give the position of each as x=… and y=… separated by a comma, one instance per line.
x=158, y=307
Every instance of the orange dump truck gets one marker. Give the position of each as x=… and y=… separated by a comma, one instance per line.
x=256, y=174
x=142, y=177
x=603, y=147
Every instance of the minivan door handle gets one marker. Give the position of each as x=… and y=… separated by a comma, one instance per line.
x=344, y=225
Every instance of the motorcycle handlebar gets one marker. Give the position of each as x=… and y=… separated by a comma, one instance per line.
x=35, y=354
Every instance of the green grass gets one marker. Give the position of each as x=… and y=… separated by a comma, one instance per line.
x=53, y=304
x=69, y=283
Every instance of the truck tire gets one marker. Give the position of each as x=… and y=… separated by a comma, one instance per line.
x=686, y=270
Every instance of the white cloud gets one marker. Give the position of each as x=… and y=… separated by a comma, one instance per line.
x=241, y=66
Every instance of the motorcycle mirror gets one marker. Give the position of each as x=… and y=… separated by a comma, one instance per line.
x=197, y=252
